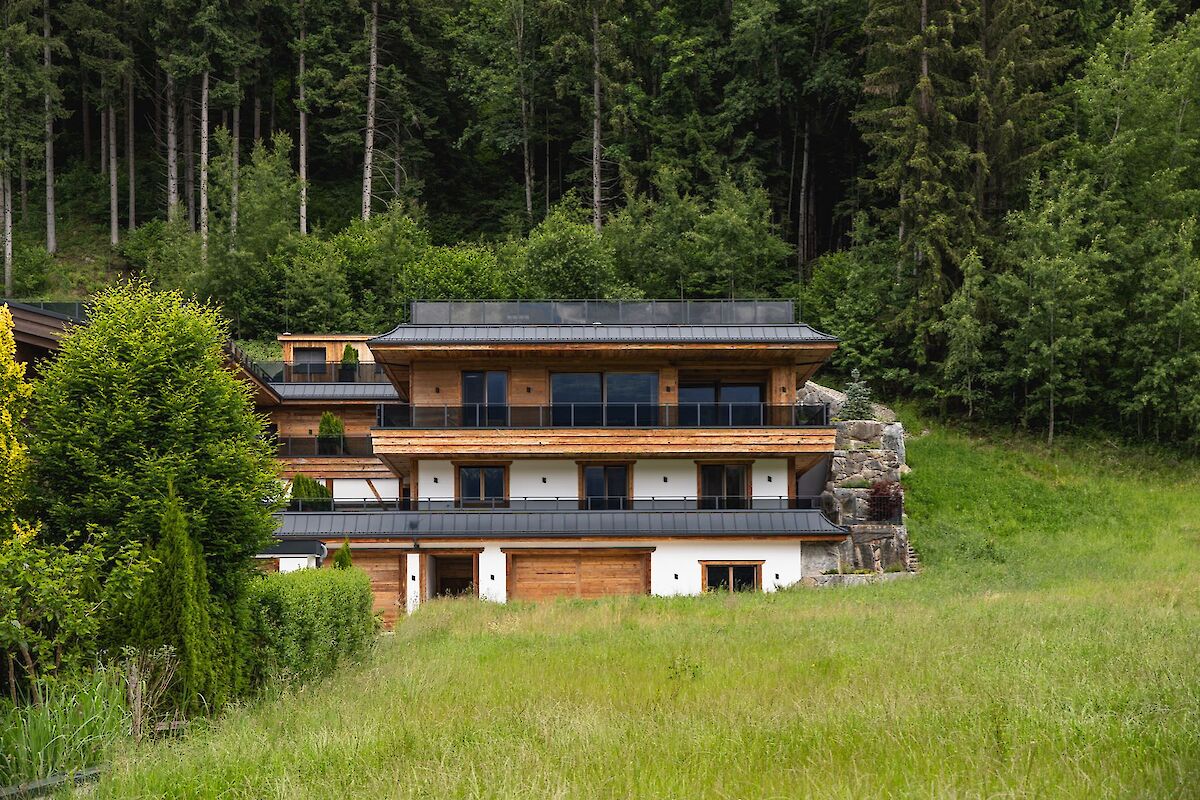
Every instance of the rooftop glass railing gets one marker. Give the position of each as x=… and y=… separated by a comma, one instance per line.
x=608, y=312
x=604, y=415
x=321, y=372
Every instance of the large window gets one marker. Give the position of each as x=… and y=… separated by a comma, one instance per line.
x=737, y=576
x=717, y=403
x=605, y=487
x=595, y=399
x=485, y=398
x=482, y=486
x=308, y=360
x=724, y=486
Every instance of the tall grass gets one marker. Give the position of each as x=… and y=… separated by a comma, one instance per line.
x=73, y=728
x=1048, y=651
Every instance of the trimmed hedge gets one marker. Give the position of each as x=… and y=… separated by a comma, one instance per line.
x=305, y=623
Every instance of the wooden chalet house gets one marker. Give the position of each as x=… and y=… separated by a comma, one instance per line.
x=530, y=450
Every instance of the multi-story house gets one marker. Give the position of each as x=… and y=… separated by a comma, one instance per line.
x=528, y=450
x=579, y=449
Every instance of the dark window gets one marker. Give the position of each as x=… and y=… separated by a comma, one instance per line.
x=593, y=399
x=308, y=360
x=716, y=403
x=631, y=398
x=723, y=486
x=576, y=399
x=605, y=487
x=481, y=487
x=738, y=577
x=485, y=398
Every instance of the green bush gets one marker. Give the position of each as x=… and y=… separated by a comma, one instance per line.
x=331, y=426
x=342, y=558
x=305, y=623
x=306, y=488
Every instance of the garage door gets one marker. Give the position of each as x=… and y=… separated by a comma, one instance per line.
x=540, y=576
x=387, y=582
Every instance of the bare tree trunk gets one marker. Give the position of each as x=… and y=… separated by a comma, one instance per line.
x=48, y=107
x=6, y=224
x=802, y=244
x=303, y=132
x=85, y=118
x=257, y=116
x=396, y=164
x=546, y=166
x=189, y=159
x=172, y=152
x=204, y=166
x=114, y=222
x=104, y=141
x=236, y=141
x=597, y=210
x=369, y=146
x=518, y=21
x=24, y=193
x=130, y=161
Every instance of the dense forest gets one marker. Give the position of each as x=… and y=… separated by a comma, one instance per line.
x=993, y=202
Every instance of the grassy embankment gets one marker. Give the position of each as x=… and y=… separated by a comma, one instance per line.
x=1050, y=649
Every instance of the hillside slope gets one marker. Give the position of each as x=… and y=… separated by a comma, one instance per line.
x=1048, y=650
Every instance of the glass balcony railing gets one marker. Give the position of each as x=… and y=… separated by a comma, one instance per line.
x=604, y=415
x=324, y=446
x=714, y=503
x=607, y=312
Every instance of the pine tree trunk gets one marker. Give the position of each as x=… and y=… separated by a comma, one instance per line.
x=597, y=210
x=204, y=166
x=130, y=160
x=104, y=142
x=802, y=243
x=6, y=222
x=526, y=111
x=546, y=165
x=303, y=132
x=257, y=116
x=48, y=108
x=114, y=222
x=396, y=163
x=236, y=141
x=189, y=159
x=369, y=146
x=24, y=194
x=172, y=152
x=85, y=118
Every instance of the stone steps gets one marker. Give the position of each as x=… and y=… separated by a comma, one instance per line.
x=912, y=560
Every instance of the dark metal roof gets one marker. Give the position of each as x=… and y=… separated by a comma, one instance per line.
x=599, y=333
x=335, y=391
x=294, y=548
x=549, y=524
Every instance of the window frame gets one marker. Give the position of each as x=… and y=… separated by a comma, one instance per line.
x=583, y=465
x=748, y=489
x=482, y=503
x=731, y=563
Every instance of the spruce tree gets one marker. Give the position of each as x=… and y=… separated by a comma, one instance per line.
x=967, y=331
x=174, y=610
x=858, y=399
x=342, y=558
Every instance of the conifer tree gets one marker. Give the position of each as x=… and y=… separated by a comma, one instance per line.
x=174, y=609
x=342, y=558
x=858, y=399
x=967, y=331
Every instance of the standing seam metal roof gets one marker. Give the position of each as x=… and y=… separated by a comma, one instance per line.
x=508, y=524
x=500, y=334
x=335, y=391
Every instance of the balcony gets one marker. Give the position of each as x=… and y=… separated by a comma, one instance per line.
x=324, y=447
x=319, y=372
x=603, y=415
x=716, y=503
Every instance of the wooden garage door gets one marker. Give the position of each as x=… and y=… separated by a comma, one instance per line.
x=387, y=582
x=540, y=576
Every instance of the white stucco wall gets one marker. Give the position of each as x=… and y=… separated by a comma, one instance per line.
x=680, y=474
x=492, y=574
x=291, y=564
x=768, y=478
x=412, y=582
x=357, y=489
x=782, y=563
x=435, y=480
x=561, y=478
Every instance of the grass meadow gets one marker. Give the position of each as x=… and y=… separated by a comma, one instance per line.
x=1049, y=649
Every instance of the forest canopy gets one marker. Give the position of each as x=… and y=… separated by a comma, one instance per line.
x=992, y=202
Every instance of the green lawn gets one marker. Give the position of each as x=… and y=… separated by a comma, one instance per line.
x=1051, y=648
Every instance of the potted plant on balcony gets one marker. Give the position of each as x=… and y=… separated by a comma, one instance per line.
x=330, y=435
x=309, y=495
x=348, y=371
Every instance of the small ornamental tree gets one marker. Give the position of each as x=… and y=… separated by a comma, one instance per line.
x=15, y=392
x=342, y=558
x=173, y=610
x=858, y=399
x=350, y=355
x=329, y=434
x=309, y=495
x=140, y=397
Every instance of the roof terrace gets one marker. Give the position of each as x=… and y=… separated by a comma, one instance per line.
x=608, y=312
